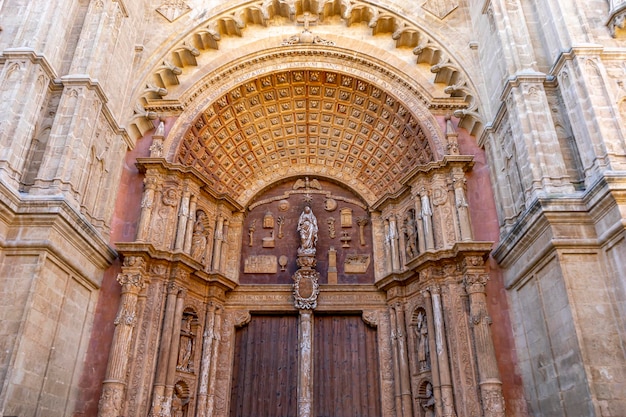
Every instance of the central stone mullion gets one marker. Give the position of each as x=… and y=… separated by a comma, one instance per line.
x=305, y=364
x=305, y=292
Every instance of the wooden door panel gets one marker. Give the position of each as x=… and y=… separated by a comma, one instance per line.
x=346, y=377
x=265, y=368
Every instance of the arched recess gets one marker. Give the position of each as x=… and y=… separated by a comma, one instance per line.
x=376, y=33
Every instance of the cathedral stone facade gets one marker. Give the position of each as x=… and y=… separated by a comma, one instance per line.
x=311, y=208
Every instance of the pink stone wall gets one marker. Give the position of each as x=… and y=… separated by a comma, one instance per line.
x=484, y=220
x=123, y=229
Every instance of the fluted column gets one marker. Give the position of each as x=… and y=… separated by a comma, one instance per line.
x=158, y=392
x=191, y=219
x=132, y=280
x=403, y=362
x=217, y=246
x=421, y=239
x=305, y=360
x=447, y=398
x=475, y=279
x=387, y=247
x=213, y=371
x=183, y=218
x=393, y=237
x=170, y=378
x=434, y=359
x=397, y=387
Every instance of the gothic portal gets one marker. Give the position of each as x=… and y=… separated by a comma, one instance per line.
x=312, y=208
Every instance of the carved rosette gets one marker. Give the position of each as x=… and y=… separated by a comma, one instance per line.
x=306, y=288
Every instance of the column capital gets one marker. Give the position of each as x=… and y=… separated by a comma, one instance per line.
x=475, y=282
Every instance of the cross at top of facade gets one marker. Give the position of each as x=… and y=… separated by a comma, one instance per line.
x=307, y=18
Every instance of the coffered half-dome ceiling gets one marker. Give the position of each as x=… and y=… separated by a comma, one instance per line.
x=323, y=122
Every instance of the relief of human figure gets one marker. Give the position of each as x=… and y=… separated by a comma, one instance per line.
x=307, y=227
x=421, y=334
x=428, y=402
x=198, y=240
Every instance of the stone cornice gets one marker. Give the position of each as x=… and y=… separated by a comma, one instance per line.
x=54, y=226
x=548, y=222
x=85, y=80
x=179, y=260
x=32, y=56
x=160, y=164
x=456, y=254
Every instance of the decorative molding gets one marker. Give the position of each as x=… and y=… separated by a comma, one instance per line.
x=173, y=9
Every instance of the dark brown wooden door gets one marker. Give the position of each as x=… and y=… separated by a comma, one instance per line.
x=265, y=368
x=346, y=378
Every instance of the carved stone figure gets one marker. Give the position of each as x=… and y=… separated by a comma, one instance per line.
x=428, y=402
x=307, y=227
x=421, y=339
x=410, y=233
x=251, y=230
x=186, y=344
x=199, y=238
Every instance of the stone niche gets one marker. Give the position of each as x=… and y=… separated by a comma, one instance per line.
x=284, y=203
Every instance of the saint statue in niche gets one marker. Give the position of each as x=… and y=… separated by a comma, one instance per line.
x=199, y=237
x=428, y=401
x=421, y=334
x=307, y=227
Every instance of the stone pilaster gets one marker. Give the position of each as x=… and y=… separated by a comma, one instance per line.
x=214, y=356
x=441, y=351
x=132, y=279
x=158, y=391
x=475, y=279
x=403, y=362
x=217, y=246
x=183, y=218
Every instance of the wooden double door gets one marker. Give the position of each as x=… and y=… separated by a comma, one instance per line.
x=345, y=376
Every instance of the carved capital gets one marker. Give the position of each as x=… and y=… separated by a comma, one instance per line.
x=131, y=281
x=493, y=400
x=475, y=283
x=110, y=404
x=473, y=261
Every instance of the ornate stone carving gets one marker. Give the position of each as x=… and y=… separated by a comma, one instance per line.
x=280, y=220
x=421, y=340
x=362, y=222
x=199, y=237
x=260, y=264
x=306, y=288
x=356, y=264
x=173, y=9
x=307, y=227
x=370, y=318
x=331, y=227
x=346, y=217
